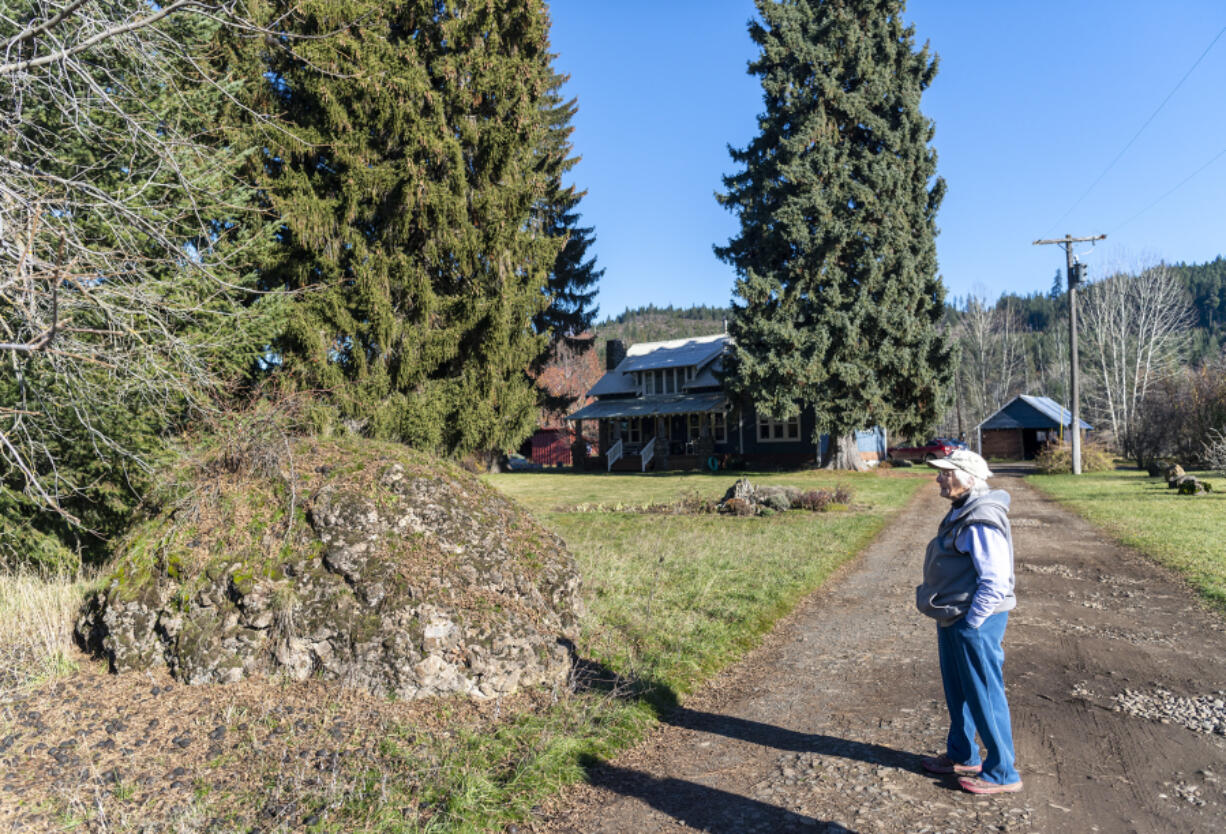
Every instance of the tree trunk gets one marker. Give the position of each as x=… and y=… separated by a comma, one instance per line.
x=846, y=455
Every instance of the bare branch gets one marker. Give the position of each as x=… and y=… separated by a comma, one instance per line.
x=106, y=34
x=46, y=25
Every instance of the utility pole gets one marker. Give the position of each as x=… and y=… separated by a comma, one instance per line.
x=1075, y=273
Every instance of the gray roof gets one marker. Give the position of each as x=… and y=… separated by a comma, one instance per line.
x=698, y=351
x=706, y=378
x=652, y=406
x=676, y=353
x=1029, y=412
x=613, y=382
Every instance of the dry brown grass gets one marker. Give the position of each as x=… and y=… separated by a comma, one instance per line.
x=36, y=620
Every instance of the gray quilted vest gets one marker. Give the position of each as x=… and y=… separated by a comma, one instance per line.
x=950, y=577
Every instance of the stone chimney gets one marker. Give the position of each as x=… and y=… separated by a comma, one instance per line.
x=614, y=353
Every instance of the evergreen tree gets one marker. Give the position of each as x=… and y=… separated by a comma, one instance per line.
x=572, y=280
x=837, y=299
x=406, y=193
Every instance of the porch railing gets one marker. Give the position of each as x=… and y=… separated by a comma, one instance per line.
x=614, y=454
x=648, y=452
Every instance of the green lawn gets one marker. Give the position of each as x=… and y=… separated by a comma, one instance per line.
x=1186, y=533
x=675, y=598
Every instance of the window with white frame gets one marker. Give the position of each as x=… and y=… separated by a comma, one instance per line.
x=635, y=434
x=719, y=427
x=649, y=382
x=778, y=431
x=695, y=427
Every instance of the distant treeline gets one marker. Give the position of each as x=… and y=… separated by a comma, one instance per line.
x=1039, y=313
x=1206, y=286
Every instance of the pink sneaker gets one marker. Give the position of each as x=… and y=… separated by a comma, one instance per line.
x=976, y=785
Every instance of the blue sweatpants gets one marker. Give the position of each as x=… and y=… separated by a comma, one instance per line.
x=971, y=672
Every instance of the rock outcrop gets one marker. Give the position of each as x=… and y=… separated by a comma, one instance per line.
x=373, y=565
x=744, y=498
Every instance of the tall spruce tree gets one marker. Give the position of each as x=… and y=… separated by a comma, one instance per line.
x=837, y=301
x=572, y=280
x=406, y=182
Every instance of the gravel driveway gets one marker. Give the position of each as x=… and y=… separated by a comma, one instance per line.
x=1116, y=679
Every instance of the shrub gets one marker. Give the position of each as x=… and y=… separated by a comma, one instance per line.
x=814, y=500
x=1056, y=459
x=821, y=500
x=690, y=503
x=739, y=506
x=778, y=503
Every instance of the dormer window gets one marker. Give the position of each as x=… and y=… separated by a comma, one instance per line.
x=664, y=380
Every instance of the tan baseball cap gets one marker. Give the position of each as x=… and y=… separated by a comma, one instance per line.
x=965, y=460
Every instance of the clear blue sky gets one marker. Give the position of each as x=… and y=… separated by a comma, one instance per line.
x=1032, y=102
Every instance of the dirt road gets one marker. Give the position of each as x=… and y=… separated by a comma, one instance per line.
x=822, y=728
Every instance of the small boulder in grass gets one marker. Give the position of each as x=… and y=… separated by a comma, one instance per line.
x=1189, y=485
x=1178, y=483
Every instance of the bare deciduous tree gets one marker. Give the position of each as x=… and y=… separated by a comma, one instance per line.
x=1135, y=325
x=120, y=226
x=992, y=363
x=1215, y=451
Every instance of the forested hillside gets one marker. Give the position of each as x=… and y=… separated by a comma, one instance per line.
x=1206, y=293
x=654, y=324
x=1206, y=285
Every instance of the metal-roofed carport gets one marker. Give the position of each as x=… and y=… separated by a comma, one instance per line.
x=1020, y=428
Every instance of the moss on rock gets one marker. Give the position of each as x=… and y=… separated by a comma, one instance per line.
x=363, y=562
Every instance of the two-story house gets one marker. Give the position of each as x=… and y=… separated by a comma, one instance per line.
x=660, y=405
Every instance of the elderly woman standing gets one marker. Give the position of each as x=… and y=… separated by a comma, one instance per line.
x=968, y=590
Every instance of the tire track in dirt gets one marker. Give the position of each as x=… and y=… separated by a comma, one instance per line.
x=821, y=728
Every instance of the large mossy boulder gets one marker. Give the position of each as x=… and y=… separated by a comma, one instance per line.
x=355, y=561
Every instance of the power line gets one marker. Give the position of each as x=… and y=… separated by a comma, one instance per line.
x=1182, y=182
x=1140, y=130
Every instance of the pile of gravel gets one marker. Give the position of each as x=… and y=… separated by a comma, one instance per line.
x=1204, y=713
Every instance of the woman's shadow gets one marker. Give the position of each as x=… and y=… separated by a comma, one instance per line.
x=715, y=810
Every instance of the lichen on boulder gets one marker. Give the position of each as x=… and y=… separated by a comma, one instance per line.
x=356, y=561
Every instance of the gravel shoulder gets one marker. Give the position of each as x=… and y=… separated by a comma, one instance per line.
x=1116, y=678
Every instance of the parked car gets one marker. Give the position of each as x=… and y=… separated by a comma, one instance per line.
x=938, y=447
x=960, y=444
